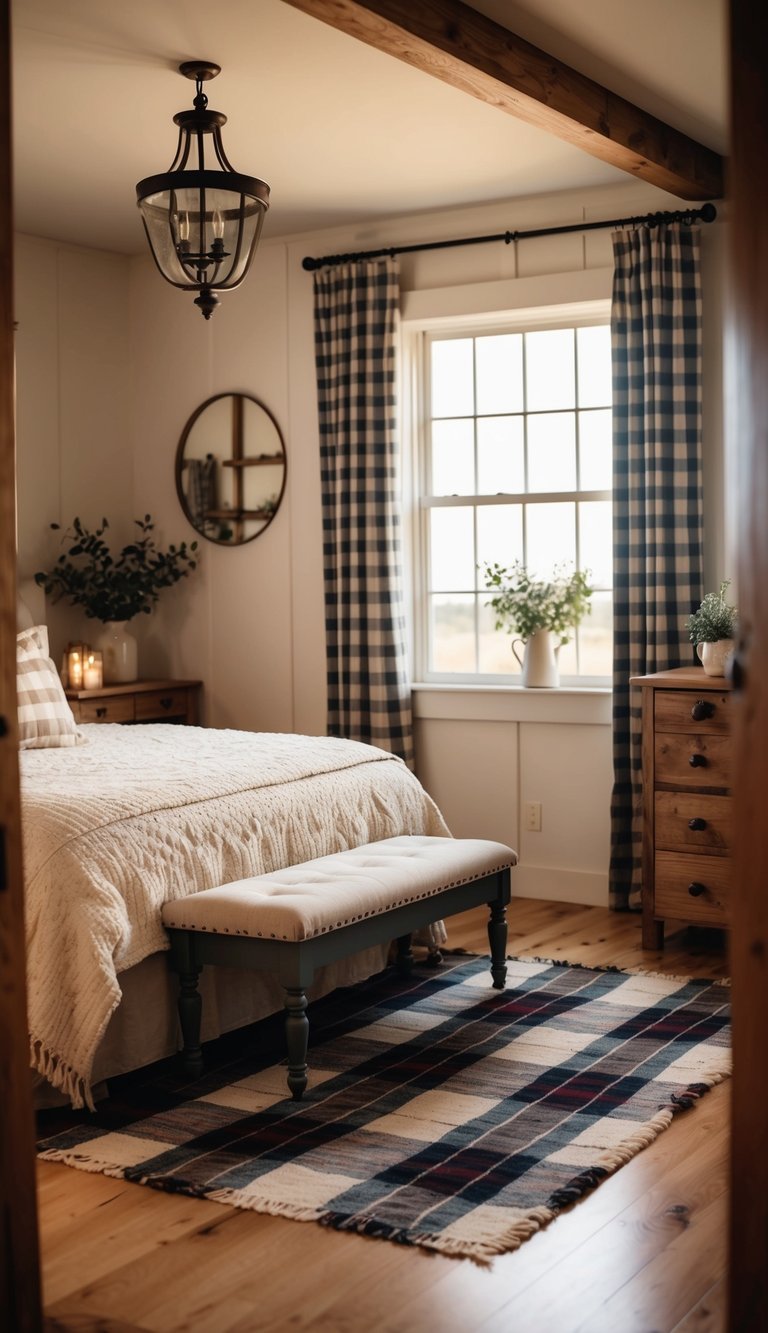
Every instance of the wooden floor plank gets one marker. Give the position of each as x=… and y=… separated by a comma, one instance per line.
x=120, y=1257
x=628, y=1245
x=708, y=1314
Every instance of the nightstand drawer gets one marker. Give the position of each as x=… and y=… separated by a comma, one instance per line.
x=682, y=710
x=693, y=888
x=161, y=704
x=117, y=709
x=693, y=760
x=689, y=822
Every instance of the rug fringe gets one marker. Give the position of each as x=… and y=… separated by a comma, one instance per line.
x=256, y=1204
x=70, y=1157
x=61, y=1075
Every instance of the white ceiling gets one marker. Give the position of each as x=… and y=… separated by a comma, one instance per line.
x=341, y=132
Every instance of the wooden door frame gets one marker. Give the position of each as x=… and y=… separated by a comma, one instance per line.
x=748, y=441
x=747, y=397
x=19, y=1261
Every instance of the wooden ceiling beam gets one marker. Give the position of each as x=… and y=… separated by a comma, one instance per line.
x=457, y=44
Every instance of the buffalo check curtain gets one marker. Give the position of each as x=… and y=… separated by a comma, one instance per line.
x=657, y=496
x=356, y=311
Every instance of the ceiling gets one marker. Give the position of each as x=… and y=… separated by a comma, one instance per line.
x=341, y=132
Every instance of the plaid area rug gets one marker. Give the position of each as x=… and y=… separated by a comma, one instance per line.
x=439, y=1112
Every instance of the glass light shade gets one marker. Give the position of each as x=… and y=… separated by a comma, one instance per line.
x=203, y=224
x=201, y=234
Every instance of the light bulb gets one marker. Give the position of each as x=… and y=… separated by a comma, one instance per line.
x=184, y=227
x=218, y=225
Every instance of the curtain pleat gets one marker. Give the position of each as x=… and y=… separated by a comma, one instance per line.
x=657, y=497
x=356, y=312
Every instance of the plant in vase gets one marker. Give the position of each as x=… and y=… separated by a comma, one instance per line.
x=115, y=588
x=713, y=629
x=541, y=612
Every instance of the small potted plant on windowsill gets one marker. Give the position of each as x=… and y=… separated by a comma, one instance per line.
x=541, y=612
x=713, y=629
x=114, y=589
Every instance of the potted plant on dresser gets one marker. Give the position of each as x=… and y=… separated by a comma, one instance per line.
x=713, y=630
x=115, y=588
x=541, y=612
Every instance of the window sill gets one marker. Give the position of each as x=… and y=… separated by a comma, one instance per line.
x=580, y=705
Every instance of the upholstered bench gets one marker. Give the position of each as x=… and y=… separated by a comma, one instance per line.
x=296, y=920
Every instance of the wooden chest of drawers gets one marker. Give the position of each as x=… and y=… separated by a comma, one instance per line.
x=686, y=800
x=140, y=701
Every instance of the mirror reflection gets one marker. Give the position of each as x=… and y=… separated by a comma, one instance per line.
x=230, y=468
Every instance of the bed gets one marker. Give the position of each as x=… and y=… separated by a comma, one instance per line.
x=140, y=814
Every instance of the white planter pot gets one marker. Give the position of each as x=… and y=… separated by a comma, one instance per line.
x=539, y=661
x=120, y=653
x=714, y=657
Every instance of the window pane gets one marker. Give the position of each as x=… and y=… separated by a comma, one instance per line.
x=596, y=637
x=567, y=658
x=452, y=378
x=452, y=634
x=500, y=449
x=550, y=537
x=495, y=646
x=595, y=541
x=594, y=351
x=499, y=370
x=552, y=452
x=452, y=550
x=595, y=456
x=499, y=536
x=453, y=457
x=549, y=369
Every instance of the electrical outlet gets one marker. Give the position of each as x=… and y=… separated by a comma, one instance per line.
x=533, y=816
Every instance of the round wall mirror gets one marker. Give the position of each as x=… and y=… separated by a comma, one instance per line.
x=230, y=468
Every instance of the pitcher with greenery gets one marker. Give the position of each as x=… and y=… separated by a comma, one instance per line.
x=541, y=612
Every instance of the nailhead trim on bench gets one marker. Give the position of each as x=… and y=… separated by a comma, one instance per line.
x=324, y=930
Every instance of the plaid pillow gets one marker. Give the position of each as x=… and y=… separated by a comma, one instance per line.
x=45, y=717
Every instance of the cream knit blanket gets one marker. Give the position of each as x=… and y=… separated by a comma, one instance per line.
x=114, y=828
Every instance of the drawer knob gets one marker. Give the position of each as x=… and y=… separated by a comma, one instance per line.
x=695, y=889
x=101, y=712
x=166, y=703
x=698, y=825
x=698, y=761
x=702, y=709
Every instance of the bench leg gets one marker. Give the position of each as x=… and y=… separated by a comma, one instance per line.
x=497, y=938
x=296, y=1038
x=190, y=1013
x=404, y=960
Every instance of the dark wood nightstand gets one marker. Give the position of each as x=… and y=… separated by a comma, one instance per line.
x=139, y=701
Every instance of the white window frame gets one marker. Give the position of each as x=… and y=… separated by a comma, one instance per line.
x=417, y=332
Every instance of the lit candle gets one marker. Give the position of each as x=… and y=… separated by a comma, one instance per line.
x=75, y=668
x=93, y=675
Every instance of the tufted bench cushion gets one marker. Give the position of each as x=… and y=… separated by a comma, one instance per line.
x=330, y=892
x=294, y=920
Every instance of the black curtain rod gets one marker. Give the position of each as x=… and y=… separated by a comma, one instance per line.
x=707, y=213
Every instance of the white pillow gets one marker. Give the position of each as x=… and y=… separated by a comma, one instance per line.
x=45, y=717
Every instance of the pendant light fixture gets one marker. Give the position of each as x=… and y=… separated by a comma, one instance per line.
x=203, y=220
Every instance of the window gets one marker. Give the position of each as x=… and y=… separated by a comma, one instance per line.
x=515, y=464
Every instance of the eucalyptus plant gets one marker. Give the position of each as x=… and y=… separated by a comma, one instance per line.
x=524, y=604
x=116, y=587
x=715, y=619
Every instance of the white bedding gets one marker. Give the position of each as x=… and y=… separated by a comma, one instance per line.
x=142, y=814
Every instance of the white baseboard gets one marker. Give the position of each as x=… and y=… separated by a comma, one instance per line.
x=564, y=886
